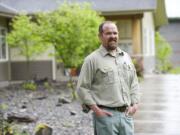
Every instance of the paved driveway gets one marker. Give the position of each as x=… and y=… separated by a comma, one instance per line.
x=159, y=112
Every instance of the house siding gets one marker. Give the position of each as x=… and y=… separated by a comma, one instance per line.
x=171, y=33
x=41, y=66
x=4, y=71
x=3, y=63
x=39, y=69
x=3, y=22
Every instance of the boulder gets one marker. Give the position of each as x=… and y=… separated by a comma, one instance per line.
x=43, y=129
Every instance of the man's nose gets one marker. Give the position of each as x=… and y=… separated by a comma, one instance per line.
x=113, y=35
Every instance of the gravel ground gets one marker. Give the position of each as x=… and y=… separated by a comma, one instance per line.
x=42, y=103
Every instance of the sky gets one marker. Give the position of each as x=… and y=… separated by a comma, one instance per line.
x=173, y=8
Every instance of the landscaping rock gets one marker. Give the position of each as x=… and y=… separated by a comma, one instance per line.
x=63, y=115
x=43, y=129
x=64, y=100
x=18, y=117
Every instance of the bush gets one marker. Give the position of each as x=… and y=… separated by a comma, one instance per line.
x=175, y=70
x=29, y=86
x=138, y=63
x=163, y=53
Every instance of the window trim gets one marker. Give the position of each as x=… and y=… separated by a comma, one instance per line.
x=7, y=53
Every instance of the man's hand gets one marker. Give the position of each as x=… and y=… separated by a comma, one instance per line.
x=131, y=110
x=100, y=112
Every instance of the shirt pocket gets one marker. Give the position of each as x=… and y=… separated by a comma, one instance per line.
x=107, y=75
x=128, y=71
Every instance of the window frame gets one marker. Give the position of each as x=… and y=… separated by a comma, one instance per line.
x=125, y=29
x=6, y=46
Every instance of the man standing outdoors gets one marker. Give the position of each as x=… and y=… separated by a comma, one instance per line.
x=108, y=85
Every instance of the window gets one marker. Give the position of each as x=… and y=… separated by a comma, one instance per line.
x=3, y=47
x=125, y=35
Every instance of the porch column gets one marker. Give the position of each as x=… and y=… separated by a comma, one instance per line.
x=136, y=36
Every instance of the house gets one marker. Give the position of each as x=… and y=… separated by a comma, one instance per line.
x=137, y=21
x=171, y=33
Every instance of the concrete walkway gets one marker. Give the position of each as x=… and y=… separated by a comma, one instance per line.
x=159, y=111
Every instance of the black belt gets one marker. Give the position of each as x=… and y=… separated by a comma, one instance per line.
x=120, y=109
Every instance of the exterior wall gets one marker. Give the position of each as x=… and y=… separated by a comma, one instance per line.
x=15, y=55
x=3, y=22
x=41, y=66
x=148, y=42
x=39, y=69
x=171, y=33
x=125, y=35
x=4, y=71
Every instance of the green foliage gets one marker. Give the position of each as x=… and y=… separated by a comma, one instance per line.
x=47, y=86
x=25, y=36
x=72, y=86
x=175, y=70
x=12, y=129
x=139, y=66
x=3, y=106
x=72, y=30
x=40, y=126
x=29, y=86
x=163, y=53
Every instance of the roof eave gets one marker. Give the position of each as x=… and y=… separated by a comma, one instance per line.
x=160, y=15
x=107, y=13
x=8, y=15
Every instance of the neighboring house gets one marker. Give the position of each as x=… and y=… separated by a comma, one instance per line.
x=137, y=21
x=171, y=33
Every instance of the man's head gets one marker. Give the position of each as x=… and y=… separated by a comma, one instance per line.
x=108, y=34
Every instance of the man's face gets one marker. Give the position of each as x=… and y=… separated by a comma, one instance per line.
x=109, y=36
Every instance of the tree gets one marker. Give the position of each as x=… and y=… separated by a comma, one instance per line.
x=25, y=37
x=72, y=30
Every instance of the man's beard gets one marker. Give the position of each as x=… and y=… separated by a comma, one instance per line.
x=112, y=45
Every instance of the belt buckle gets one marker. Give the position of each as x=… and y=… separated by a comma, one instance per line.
x=122, y=109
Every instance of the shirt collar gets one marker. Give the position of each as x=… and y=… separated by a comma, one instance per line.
x=104, y=52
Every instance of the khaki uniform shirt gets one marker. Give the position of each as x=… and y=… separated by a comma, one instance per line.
x=108, y=80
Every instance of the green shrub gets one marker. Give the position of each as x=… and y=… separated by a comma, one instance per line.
x=29, y=86
x=163, y=53
x=12, y=129
x=47, y=86
x=139, y=66
x=175, y=70
x=3, y=106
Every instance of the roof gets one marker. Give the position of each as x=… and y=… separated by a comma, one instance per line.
x=30, y=6
x=104, y=6
x=6, y=10
x=160, y=15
